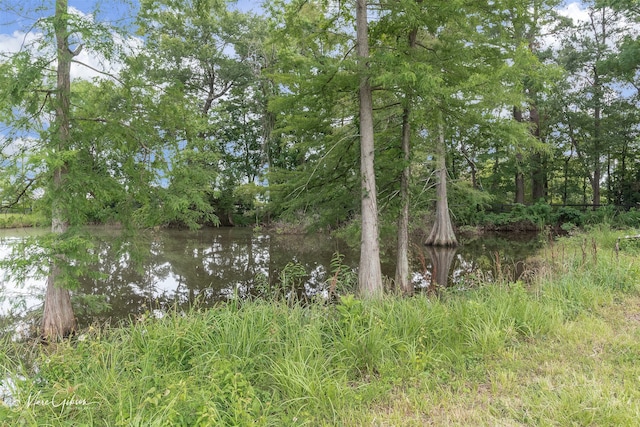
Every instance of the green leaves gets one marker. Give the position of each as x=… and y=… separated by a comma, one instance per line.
x=71, y=251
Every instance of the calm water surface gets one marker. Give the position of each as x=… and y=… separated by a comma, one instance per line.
x=176, y=267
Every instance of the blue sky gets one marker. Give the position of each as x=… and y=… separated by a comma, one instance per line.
x=20, y=15
x=11, y=19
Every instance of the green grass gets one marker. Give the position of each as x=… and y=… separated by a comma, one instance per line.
x=561, y=350
x=11, y=220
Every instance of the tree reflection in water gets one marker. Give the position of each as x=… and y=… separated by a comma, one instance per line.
x=178, y=268
x=441, y=262
x=483, y=259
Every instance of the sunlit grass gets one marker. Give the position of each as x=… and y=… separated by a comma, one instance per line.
x=561, y=350
x=12, y=220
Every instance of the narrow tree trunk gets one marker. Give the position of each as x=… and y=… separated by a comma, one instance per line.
x=566, y=180
x=58, y=319
x=442, y=232
x=402, y=259
x=519, y=178
x=519, y=182
x=595, y=185
x=370, y=275
x=609, y=180
x=539, y=173
x=474, y=175
x=597, y=167
x=602, y=40
x=538, y=179
x=622, y=182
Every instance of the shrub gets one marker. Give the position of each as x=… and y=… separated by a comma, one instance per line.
x=630, y=218
x=568, y=214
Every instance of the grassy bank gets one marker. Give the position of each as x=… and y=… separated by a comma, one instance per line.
x=561, y=350
x=12, y=220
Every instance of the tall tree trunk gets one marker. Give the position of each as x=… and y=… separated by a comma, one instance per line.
x=519, y=178
x=622, y=197
x=519, y=181
x=370, y=275
x=402, y=258
x=442, y=232
x=597, y=130
x=58, y=319
x=539, y=173
x=565, y=185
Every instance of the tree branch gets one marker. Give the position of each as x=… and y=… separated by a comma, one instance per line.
x=20, y=195
x=101, y=120
x=75, y=52
x=98, y=71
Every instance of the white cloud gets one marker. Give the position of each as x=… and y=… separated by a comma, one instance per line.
x=617, y=25
x=10, y=147
x=575, y=11
x=18, y=40
x=96, y=64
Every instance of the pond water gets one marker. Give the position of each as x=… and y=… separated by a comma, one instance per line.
x=168, y=268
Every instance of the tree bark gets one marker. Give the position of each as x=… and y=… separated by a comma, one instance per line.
x=370, y=274
x=58, y=319
x=442, y=232
x=402, y=258
x=597, y=130
x=539, y=173
x=519, y=178
x=519, y=197
x=565, y=174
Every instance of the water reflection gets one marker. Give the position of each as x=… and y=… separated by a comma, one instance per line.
x=160, y=269
x=441, y=262
x=179, y=267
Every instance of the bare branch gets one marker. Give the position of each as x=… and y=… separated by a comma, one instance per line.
x=98, y=71
x=77, y=51
x=385, y=107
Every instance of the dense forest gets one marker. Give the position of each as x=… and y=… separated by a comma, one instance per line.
x=360, y=116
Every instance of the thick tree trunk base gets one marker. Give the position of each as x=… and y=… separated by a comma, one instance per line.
x=440, y=237
x=58, y=321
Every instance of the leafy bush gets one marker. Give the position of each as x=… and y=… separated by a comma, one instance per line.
x=630, y=218
x=539, y=213
x=468, y=206
x=602, y=215
x=568, y=214
x=520, y=217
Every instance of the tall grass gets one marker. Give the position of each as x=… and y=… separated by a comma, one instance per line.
x=274, y=363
